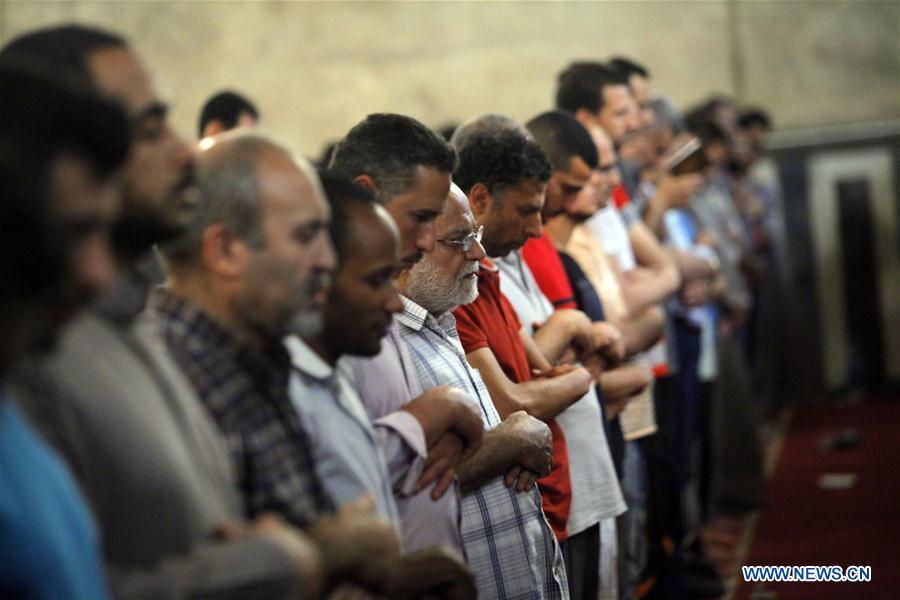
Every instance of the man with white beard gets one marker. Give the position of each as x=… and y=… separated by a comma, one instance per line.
x=508, y=543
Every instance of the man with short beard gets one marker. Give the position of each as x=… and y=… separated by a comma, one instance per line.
x=407, y=168
x=507, y=540
x=61, y=149
x=112, y=401
x=358, y=310
x=559, y=330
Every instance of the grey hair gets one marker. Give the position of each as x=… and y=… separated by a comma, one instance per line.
x=486, y=123
x=667, y=114
x=228, y=193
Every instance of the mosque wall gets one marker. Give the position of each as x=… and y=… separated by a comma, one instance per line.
x=315, y=69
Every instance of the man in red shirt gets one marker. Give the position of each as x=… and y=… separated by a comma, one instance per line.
x=506, y=194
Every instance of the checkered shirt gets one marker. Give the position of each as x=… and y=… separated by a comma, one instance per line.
x=246, y=391
x=508, y=543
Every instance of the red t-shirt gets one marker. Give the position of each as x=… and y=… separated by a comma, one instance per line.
x=549, y=272
x=491, y=322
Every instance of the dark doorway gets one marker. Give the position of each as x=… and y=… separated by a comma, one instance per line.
x=860, y=267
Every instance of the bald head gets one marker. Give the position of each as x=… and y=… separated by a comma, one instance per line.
x=234, y=174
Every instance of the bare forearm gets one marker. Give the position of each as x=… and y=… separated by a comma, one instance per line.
x=552, y=340
x=497, y=455
x=691, y=267
x=642, y=331
x=546, y=398
x=622, y=382
x=434, y=422
x=654, y=214
x=662, y=278
x=541, y=398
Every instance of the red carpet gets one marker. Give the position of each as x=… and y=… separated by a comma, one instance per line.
x=805, y=525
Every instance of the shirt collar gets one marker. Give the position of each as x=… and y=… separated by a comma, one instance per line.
x=195, y=326
x=416, y=317
x=413, y=315
x=488, y=265
x=305, y=359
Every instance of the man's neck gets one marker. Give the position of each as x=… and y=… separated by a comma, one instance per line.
x=560, y=230
x=198, y=290
x=318, y=345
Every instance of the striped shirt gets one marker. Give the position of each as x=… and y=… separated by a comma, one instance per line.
x=507, y=540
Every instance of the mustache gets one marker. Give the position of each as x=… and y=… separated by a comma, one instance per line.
x=469, y=269
x=186, y=180
x=318, y=282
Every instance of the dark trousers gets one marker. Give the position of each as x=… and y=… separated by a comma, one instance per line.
x=582, y=555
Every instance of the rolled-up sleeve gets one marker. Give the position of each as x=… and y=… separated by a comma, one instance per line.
x=402, y=442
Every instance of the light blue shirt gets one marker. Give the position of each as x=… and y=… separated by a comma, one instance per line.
x=47, y=537
x=348, y=461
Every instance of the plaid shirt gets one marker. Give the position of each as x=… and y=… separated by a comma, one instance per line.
x=246, y=391
x=508, y=543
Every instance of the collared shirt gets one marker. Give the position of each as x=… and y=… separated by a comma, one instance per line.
x=385, y=383
x=509, y=545
x=595, y=488
x=547, y=268
x=246, y=391
x=347, y=460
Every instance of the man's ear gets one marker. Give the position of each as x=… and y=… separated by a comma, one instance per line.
x=367, y=182
x=223, y=254
x=480, y=200
x=586, y=117
x=214, y=127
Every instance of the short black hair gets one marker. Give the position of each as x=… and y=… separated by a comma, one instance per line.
x=446, y=130
x=49, y=114
x=64, y=46
x=388, y=148
x=43, y=118
x=627, y=67
x=705, y=128
x=754, y=116
x=225, y=106
x=581, y=85
x=562, y=138
x=500, y=160
x=344, y=196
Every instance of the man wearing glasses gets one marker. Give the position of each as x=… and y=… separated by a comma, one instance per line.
x=508, y=543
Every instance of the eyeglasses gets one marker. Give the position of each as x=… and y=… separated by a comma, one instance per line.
x=467, y=242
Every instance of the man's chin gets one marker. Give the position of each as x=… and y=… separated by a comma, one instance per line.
x=135, y=235
x=366, y=349
x=307, y=324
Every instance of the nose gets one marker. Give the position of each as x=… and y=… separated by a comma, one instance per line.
x=94, y=265
x=425, y=238
x=181, y=153
x=615, y=177
x=326, y=257
x=476, y=252
x=393, y=304
x=533, y=226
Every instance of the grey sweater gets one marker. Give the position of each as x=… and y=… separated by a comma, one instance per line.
x=148, y=457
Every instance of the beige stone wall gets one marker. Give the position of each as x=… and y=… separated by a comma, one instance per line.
x=315, y=69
